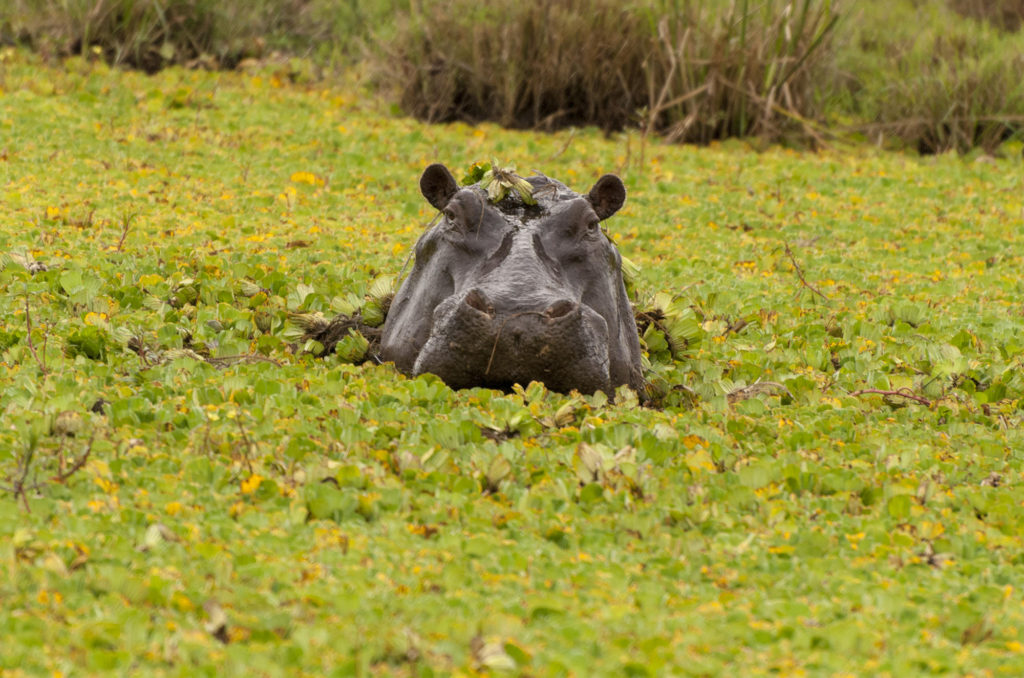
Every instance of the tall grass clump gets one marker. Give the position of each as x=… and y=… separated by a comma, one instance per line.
x=932, y=79
x=739, y=68
x=1007, y=15
x=532, y=64
x=692, y=71
x=151, y=34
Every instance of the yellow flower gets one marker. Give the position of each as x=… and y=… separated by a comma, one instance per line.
x=251, y=484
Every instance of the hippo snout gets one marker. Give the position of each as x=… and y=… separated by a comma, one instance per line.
x=476, y=300
x=560, y=309
x=558, y=341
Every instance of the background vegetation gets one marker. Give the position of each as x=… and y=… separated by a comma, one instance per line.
x=151, y=34
x=934, y=75
x=928, y=77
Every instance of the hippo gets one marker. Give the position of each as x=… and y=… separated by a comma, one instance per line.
x=525, y=288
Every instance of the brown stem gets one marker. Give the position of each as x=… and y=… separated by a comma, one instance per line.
x=126, y=222
x=800, y=273
x=18, y=486
x=248, y=445
x=901, y=392
x=31, y=345
x=79, y=463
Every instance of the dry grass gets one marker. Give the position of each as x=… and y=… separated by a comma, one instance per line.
x=740, y=69
x=145, y=34
x=540, y=65
x=685, y=70
x=152, y=34
x=1007, y=15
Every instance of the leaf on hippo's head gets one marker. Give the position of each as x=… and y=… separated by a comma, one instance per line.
x=525, y=190
x=496, y=190
x=475, y=173
x=499, y=181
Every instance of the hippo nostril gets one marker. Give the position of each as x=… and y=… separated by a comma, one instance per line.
x=560, y=308
x=479, y=301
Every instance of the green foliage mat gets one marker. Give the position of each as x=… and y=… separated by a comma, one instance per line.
x=830, y=486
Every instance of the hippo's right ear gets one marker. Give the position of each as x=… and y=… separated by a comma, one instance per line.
x=438, y=185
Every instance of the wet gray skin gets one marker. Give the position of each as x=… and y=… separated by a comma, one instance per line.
x=513, y=293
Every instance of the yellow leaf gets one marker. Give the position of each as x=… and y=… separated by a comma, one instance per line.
x=307, y=178
x=692, y=441
x=182, y=602
x=700, y=460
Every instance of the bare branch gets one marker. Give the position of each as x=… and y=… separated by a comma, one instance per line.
x=126, y=222
x=31, y=345
x=756, y=389
x=79, y=463
x=800, y=273
x=900, y=392
x=249, y=444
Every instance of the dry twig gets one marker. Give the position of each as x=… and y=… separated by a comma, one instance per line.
x=31, y=345
x=756, y=389
x=126, y=222
x=900, y=392
x=20, y=487
x=800, y=273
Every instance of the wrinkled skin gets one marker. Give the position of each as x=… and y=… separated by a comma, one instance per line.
x=513, y=293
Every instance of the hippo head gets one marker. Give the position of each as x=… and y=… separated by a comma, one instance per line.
x=511, y=293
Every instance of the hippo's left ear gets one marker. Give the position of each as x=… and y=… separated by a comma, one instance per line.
x=438, y=185
x=607, y=196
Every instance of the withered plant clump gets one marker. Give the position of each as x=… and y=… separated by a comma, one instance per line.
x=693, y=72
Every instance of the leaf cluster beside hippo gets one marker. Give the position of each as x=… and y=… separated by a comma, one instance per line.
x=516, y=286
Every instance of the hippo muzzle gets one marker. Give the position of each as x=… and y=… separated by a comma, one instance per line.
x=563, y=344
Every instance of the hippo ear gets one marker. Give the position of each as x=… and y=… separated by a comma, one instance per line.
x=607, y=196
x=438, y=185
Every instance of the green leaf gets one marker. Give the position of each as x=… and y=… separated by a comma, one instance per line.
x=898, y=506
x=89, y=341
x=475, y=173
